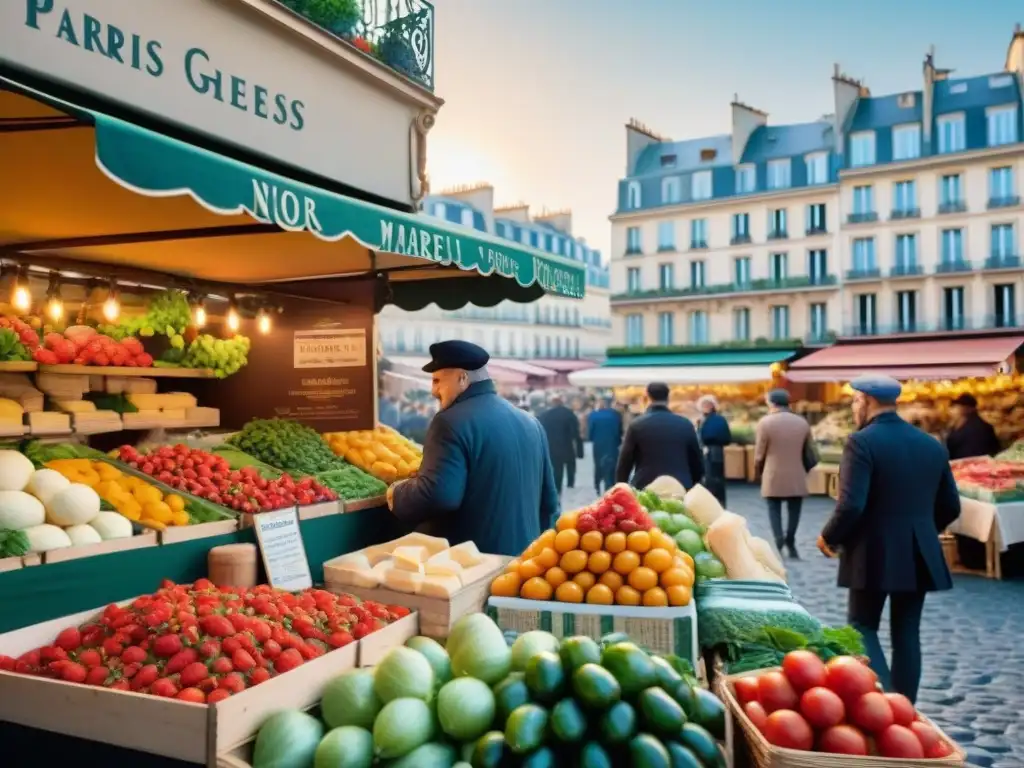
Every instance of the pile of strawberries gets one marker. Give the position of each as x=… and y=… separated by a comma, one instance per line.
x=617, y=510
x=26, y=333
x=95, y=349
x=201, y=643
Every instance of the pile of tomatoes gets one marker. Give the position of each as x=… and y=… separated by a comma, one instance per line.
x=210, y=477
x=201, y=643
x=835, y=707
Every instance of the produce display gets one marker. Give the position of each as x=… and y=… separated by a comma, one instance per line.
x=167, y=314
x=18, y=339
x=539, y=703
x=351, y=483
x=382, y=452
x=83, y=345
x=835, y=707
x=222, y=356
x=987, y=479
x=767, y=646
x=202, y=644
x=209, y=476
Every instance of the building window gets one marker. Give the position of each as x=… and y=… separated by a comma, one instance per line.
x=497, y=344
x=906, y=142
x=699, y=233
x=696, y=274
x=906, y=254
x=904, y=199
x=499, y=229
x=952, y=246
x=951, y=194
x=700, y=185
x=633, y=279
x=952, y=134
x=742, y=266
x=746, y=179
x=953, y=308
x=864, y=255
x=1002, y=125
x=817, y=168
x=666, y=277
x=633, y=195
x=666, y=235
x=666, y=321
x=400, y=340
x=863, y=200
x=741, y=324
x=699, y=327
x=816, y=223
x=779, y=173
x=862, y=148
x=867, y=317
x=778, y=267
x=1004, y=242
x=1005, y=305
x=818, y=321
x=777, y=224
x=817, y=266
x=634, y=331
x=1001, y=187
x=780, y=323
x=633, y=240
x=740, y=228
x=906, y=311
x=671, y=190
x=439, y=210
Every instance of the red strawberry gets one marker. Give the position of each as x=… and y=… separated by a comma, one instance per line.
x=586, y=523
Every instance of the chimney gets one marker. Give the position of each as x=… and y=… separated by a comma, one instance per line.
x=928, y=101
x=519, y=212
x=638, y=138
x=561, y=220
x=479, y=195
x=847, y=93
x=1015, y=54
x=745, y=120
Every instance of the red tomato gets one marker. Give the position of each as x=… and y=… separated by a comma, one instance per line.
x=850, y=678
x=872, y=712
x=786, y=728
x=775, y=692
x=821, y=707
x=804, y=670
x=903, y=711
x=756, y=713
x=927, y=735
x=843, y=740
x=897, y=741
x=938, y=749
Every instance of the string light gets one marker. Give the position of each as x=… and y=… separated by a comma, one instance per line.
x=111, y=307
x=54, y=304
x=263, y=321
x=199, y=313
x=21, y=297
x=233, y=320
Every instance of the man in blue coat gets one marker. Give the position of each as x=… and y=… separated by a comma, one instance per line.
x=486, y=474
x=896, y=495
x=604, y=430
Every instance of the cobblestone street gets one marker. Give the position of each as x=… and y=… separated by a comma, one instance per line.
x=973, y=636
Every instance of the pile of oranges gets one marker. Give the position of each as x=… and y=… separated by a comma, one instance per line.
x=642, y=568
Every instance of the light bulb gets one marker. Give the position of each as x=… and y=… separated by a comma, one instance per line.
x=21, y=298
x=55, y=308
x=199, y=315
x=111, y=308
x=234, y=321
x=264, y=321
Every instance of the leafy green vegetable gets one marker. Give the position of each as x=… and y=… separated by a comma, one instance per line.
x=13, y=543
x=40, y=453
x=11, y=347
x=351, y=483
x=287, y=445
x=111, y=402
x=769, y=648
x=723, y=625
x=238, y=459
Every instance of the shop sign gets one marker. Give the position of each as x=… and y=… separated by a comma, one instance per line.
x=329, y=347
x=282, y=548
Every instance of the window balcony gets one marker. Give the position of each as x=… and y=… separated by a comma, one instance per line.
x=951, y=266
x=667, y=248
x=906, y=270
x=778, y=234
x=398, y=33
x=1002, y=261
x=816, y=230
x=815, y=338
x=1007, y=201
x=634, y=250
x=739, y=239
x=698, y=245
x=865, y=217
x=863, y=273
x=750, y=286
x=898, y=214
x=953, y=206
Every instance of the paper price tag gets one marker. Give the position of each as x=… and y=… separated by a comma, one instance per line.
x=284, y=554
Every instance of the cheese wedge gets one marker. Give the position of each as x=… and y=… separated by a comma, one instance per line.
x=477, y=572
x=440, y=586
x=355, y=577
x=403, y=581
x=356, y=561
x=75, y=406
x=413, y=554
x=442, y=568
x=433, y=544
x=402, y=563
x=466, y=554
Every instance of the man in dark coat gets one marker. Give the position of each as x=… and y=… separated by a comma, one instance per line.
x=971, y=435
x=563, y=431
x=660, y=443
x=715, y=435
x=486, y=473
x=604, y=430
x=896, y=495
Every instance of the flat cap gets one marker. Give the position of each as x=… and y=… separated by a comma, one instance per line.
x=456, y=354
x=778, y=397
x=885, y=389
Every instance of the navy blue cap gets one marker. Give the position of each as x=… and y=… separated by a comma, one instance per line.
x=779, y=397
x=456, y=354
x=884, y=389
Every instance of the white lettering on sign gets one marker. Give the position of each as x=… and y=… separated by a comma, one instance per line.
x=284, y=207
x=412, y=241
x=329, y=348
x=284, y=554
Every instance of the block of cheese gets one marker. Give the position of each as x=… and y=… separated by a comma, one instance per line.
x=440, y=586
x=11, y=410
x=117, y=385
x=364, y=578
x=62, y=385
x=356, y=561
x=203, y=417
x=466, y=554
x=173, y=414
x=402, y=581
x=433, y=544
x=442, y=568
x=97, y=384
x=403, y=563
x=49, y=421
x=170, y=401
x=482, y=571
x=75, y=406
x=415, y=554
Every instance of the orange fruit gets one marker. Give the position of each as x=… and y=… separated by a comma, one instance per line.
x=662, y=540
x=569, y=592
x=638, y=541
x=615, y=542
x=625, y=562
x=531, y=551
x=567, y=521
x=556, y=576
x=612, y=580
x=585, y=579
x=599, y=562
x=528, y=569
x=506, y=585
x=642, y=579
x=679, y=595
x=513, y=565
x=546, y=539
x=676, y=577
x=626, y=595
x=566, y=541
x=536, y=589
x=548, y=558
x=658, y=560
x=592, y=541
x=574, y=561
x=655, y=598
x=685, y=557
x=599, y=594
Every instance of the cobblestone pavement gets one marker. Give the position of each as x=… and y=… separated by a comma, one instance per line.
x=972, y=637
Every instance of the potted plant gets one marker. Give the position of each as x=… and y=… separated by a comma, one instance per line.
x=337, y=16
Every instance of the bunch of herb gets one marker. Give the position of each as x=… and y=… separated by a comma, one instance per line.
x=773, y=643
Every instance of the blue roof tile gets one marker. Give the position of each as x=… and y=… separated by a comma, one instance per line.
x=771, y=142
x=974, y=93
x=884, y=112
x=687, y=155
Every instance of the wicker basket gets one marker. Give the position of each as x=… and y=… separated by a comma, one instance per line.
x=764, y=755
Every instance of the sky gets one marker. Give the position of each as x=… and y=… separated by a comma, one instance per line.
x=537, y=92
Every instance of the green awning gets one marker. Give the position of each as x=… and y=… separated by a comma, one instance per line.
x=295, y=231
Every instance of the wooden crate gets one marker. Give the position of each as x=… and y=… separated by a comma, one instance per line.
x=140, y=541
x=437, y=615
x=178, y=533
x=376, y=645
x=735, y=462
x=360, y=504
x=193, y=733
x=323, y=509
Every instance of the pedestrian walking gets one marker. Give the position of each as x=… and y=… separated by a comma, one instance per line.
x=563, y=430
x=971, y=435
x=660, y=443
x=896, y=494
x=713, y=431
x=604, y=430
x=782, y=460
